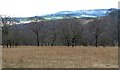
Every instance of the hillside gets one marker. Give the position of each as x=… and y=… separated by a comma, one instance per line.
x=93, y=13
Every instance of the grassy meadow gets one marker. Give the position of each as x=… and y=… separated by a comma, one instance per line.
x=60, y=57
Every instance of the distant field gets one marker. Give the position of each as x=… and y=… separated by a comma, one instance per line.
x=60, y=57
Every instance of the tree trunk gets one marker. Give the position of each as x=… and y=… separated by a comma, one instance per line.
x=96, y=42
x=37, y=35
x=113, y=44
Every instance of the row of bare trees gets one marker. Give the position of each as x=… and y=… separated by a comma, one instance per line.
x=101, y=31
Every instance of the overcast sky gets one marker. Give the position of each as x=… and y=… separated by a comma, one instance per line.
x=26, y=8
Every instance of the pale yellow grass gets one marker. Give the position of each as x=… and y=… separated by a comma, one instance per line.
x=60, y=57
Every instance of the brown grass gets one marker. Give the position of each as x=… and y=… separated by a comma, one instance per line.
x=60, y=57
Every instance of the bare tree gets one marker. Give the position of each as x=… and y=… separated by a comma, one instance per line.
x=96, y=29
x=53, y=35
x=76, y=29
x=114, y=26
x=72, y=32
x=118, y=28
x=6, y=23
x=36, y=28
x=65, y=32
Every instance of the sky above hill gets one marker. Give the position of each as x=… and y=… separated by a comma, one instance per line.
x=27, y=8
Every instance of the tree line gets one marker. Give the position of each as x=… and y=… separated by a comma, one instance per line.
x=100, y=31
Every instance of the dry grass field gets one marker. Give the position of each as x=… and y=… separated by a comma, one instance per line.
x=60, y=57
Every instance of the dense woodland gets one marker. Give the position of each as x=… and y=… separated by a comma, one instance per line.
x=100, y=31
